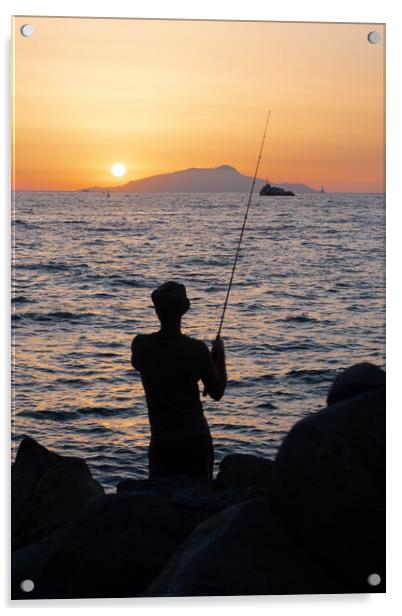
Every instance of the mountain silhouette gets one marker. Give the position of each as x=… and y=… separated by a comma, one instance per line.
x=198, y=180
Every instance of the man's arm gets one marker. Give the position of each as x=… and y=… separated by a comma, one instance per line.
x=134, y=350
x=214, y=375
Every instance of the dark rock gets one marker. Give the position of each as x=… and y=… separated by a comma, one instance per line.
x=241, y=470
x=243, y=550
x=47, y=491
x=27, y=563
x=355, y=380
x=117, y=546
x=167, y=485
x=329, y=482
x=202, y=494
x=120, y=543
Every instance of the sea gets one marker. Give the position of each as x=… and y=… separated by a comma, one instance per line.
x=308, y=300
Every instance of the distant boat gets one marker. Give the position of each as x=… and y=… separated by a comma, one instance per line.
x=275, y=191
x=322, y=191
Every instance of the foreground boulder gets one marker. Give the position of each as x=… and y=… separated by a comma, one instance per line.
x=329, y=480
x=203, y=494
x=168, y=485
x=240, y=470
x=120, y=543
x=356, y=380
x=27, y=562
x=117, y=546
x=243, y=550
x=47, y=491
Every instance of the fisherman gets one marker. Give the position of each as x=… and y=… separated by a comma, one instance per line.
x=171, y=364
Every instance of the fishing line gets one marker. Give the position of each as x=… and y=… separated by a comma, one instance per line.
x=240, y=239
x=242, y=230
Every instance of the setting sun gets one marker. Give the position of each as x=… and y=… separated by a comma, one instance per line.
x=118, y=169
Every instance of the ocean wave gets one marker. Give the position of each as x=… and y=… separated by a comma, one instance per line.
x=78, y=221
x=57, y=315
x=306, y=345
x=98, y=242
x=102, y=411
x=52, y=415
x=251, y=381
x=312, y=375
x=121, y=281
x=302, y=318
x=113, y=280
x=266, y=377
x=207, y=261
x=108, y=345
x=23, y=223
x=22, y=299
x=46, y=267
x=242, y=429
x=267, y=405
x=97, y=429
x=115, y=229
x=99, y=411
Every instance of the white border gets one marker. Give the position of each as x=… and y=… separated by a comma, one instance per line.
x=287, y=10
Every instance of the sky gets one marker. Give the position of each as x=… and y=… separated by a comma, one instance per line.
x=164, y=95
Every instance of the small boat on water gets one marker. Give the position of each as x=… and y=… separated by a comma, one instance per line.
x=275, y=191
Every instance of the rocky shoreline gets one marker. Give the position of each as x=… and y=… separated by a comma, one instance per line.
x=311, y=521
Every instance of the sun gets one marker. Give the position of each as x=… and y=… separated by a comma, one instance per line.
x=118, y=170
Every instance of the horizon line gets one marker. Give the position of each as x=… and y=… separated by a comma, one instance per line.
x=172, y=192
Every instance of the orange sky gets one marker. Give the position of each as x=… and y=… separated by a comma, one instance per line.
x=161, y=96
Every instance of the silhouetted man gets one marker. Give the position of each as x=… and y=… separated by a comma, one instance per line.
x=171, y=365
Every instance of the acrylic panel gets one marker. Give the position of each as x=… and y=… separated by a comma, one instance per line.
x=198, y=307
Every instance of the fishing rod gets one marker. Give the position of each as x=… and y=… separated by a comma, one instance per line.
x=242, y=230
x=241, y=235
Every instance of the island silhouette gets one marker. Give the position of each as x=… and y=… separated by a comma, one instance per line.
x=224, y=178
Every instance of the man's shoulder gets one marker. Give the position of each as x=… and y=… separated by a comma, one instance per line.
x=142, y=339
x=195, y=344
